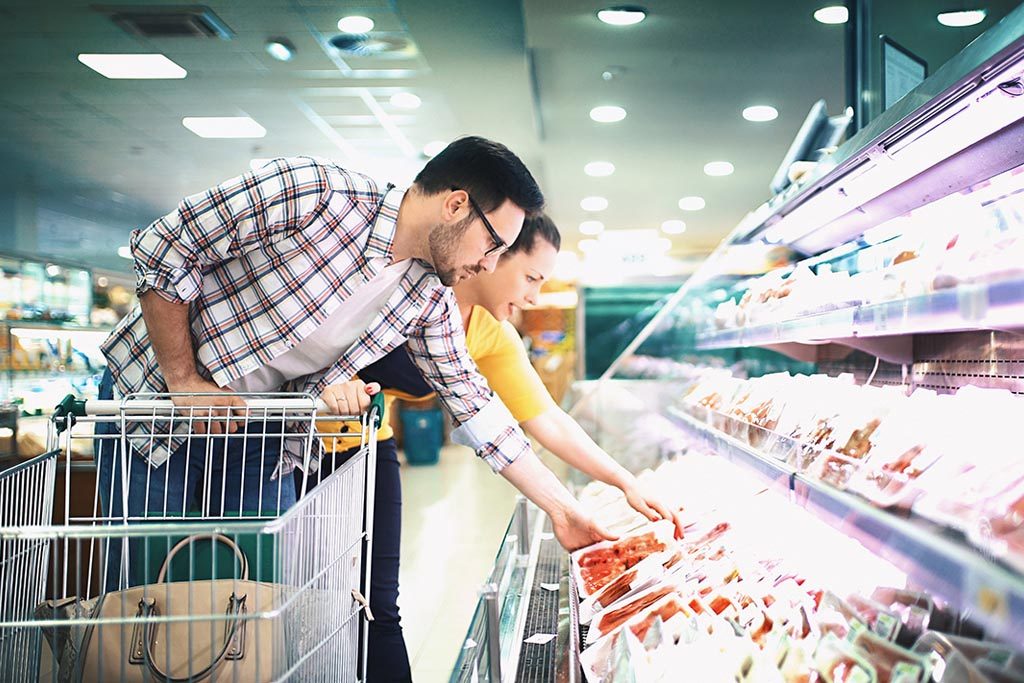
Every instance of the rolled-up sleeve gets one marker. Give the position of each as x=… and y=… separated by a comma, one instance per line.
x=481, y=420
x=224, y=222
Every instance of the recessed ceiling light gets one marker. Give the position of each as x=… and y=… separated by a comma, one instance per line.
x=132, y=66
x=691, y=203
x=622, y=15
x=760, y=112
x=718, y=168
x=673, y=227
x=593, y=203
x=962, y=18
x=102, y=281
x=355, y=24
x=599, y=169
x=124, y=252
x=591, y=227
x=607, y=113
x=434, y=147
x=52, y=270
x=835, y=14
x=224, y=126
x=587, y=245
x=405, y=100
x=280, y=49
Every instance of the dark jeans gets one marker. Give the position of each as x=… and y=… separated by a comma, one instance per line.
x=205, y=476
x=388, y=658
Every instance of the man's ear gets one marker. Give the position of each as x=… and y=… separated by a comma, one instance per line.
x=454, y=205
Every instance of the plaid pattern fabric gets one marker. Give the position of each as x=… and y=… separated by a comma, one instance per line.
x=264, y=259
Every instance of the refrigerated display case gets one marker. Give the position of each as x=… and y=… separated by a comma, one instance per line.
x=846, y=420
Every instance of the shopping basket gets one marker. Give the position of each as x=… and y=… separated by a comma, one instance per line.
x=205, y=570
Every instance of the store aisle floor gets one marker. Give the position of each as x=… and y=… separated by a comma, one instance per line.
x=453, y=517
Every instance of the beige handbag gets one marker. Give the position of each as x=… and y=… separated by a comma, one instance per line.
x=194, y=648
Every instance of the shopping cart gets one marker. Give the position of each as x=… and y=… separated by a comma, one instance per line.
x=205, y=571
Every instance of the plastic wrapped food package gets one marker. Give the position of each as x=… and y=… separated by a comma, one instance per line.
x=907, y=444
x=598, y=565
x=861, y=413
x=977, y=466
x=892, y=663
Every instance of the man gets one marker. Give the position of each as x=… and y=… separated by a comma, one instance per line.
x=294, y=277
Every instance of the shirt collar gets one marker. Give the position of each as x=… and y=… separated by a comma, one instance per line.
x=382, y=232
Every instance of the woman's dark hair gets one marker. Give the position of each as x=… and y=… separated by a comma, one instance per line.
x=487, y=170
x=537, y=227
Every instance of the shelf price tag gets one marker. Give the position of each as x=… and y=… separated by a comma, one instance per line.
x=989, y=597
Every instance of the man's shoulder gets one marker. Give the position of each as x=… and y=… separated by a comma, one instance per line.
x=337, y=177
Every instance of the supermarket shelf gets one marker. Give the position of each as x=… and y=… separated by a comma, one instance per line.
x=998, y=305
x=934, y=558
x=772, y=471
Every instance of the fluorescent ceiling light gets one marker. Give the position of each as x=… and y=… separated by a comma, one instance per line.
x=673, y=227
x=835, y=14
x=760, y=112
x=280, y=49
x=599, y=169
x=692, y=203
x=622, y=15
x=593, y=203
x=607, y=114
x=124, y=252
x=591, y=227
x=224, y=126
x=355, y=24
x=962, y=18
x=718, y=168
x=434, y=147
x=132, y=66
x=405, y=100
x=587, y=245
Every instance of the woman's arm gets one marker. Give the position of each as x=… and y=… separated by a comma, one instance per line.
x=561, y=435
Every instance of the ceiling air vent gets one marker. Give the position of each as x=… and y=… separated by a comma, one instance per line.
x=167, y=21
x=365, y=45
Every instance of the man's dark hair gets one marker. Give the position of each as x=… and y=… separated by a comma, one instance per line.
x=487, y=170
x=534, y=228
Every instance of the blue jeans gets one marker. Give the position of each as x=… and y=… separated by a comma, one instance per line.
x=233, y=479
x=388, y=657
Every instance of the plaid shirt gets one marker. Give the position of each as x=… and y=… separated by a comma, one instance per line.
x=264, y=259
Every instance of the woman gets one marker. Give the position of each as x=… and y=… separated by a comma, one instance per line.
x=486, y=301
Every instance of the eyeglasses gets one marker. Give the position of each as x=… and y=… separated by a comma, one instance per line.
x=499, y=244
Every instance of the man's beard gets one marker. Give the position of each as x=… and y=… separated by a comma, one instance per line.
x=443, y=243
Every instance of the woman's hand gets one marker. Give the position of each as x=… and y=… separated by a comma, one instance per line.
x=349, y=398
x=649, y=505
x=575, y=529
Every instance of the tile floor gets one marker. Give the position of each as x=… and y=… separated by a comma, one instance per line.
x=454, y=516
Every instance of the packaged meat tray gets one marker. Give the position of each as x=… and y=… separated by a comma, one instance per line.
x=597, y=565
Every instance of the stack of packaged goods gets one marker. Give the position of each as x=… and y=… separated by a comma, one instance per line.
x=722, y=599
x=912, y=452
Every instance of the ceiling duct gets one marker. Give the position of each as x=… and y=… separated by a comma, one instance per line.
x=167, y=21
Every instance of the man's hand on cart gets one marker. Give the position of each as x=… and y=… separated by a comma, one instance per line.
x=649, y=505
x=349, y=398
x=211, y=411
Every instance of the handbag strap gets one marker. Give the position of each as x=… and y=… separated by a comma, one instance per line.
x=235, y=608
x=216, y=538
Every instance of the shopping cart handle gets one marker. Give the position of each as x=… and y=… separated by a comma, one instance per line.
x=69, y=406
x=377, y=409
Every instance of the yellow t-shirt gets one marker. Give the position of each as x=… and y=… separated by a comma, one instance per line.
x=501, y=357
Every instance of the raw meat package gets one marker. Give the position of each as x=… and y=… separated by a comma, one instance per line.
x=597, y=565
x=642, y=575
